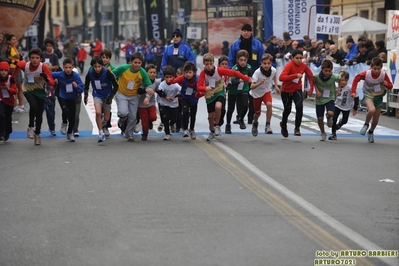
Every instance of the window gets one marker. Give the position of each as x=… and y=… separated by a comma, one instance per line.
x=76, y=9
x=58, y=8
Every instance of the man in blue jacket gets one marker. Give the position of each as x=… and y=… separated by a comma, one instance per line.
x=178, y=52
x=255, y=50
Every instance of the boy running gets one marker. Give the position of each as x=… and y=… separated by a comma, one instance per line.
x=261, y=91
x=104, y=88
x=211, y=82
x=130, y=77
x=376, y=83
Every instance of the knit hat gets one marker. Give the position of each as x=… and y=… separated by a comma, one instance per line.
x=361, y=39
x=295, y=43
x=349, y=39
x=4, y=65
x=296, y=52
x=246, y=27
x=177, y=32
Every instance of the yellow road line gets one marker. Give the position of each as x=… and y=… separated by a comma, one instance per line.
x=309, y=228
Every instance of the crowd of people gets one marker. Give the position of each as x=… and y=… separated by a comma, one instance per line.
x=162, y=77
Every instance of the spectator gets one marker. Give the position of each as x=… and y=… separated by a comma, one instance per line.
x=225, y=48
x=255, y=50
x=128, y=49
x=273, y=49
x=98, y=47
x=287, y=42
x=3, y=47
x=383, y=57
x=117, y=48
x=380, y=46
x=371, y=51
x=361, y=57
x=69, y=47
x=361, y=39
x=352, y=46
x=81, y=58
x=337, y=55
x=178, y=52
x=204, y=47
x=327, y=45
x=312, y=49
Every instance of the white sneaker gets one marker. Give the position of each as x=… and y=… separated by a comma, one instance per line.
x=38, y=139
x=192, y=134
x=211, y=136
x=30, y=132
x=101, y=138
x=167, y=137
x=71, y=138
x=76, y=134
x=106, y=132
x=20, y=109
x=217, y=131
x=63, y=128
x=185, y=134
x=136, y=128
x=323, y=136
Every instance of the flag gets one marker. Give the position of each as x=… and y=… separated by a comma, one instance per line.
x=155, y=19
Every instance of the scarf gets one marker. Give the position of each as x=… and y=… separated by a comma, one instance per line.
x=176, y=45
x=246, y=44
x=266, y=73
x=322, y=77
x=210, y=73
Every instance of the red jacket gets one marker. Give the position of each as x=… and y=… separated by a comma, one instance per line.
x=289, y=77
x=11, y=89
x=82, y=54
x=97, y=48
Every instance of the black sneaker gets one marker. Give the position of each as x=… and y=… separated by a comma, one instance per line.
x=236, y=122
x=144, y=136
x=242, y=125
x=255, y=129
x=227, y=129
x=339, y=124
x=297, y=132
x=332, y=137
x=284, y=130
x=150, y=125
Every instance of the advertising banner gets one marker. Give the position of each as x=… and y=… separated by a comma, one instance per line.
x=155, y=19
x=17, y=16
x=291, y=16
x=225, y=19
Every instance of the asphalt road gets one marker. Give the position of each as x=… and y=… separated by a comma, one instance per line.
x=238, y=200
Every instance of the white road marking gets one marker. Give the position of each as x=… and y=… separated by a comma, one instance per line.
x=322, y=216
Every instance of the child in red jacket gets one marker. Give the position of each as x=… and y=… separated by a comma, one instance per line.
x=8, y=88
x=291, y=90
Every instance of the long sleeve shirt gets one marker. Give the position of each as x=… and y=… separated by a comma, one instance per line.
x=289, y=77
x=7, y=91
x=33, y=82
x=129, y=80
x=67, y=90
x=216, y=82
x=372, y=84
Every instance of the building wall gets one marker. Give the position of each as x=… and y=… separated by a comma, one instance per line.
x=373, y=10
